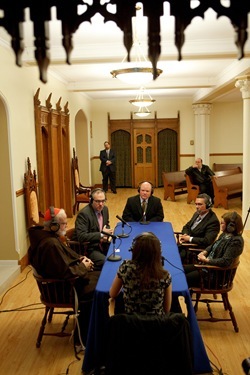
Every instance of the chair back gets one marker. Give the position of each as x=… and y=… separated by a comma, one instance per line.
x=81, y=192
x=192, y=189
x=33, y=215
x=215, y=280
x=58, y=293
x=146, y=344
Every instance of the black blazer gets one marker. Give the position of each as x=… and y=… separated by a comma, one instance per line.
x=206, y=231
x=133, y=209
x=200, y=177
x=103, y=158
x=87, y=226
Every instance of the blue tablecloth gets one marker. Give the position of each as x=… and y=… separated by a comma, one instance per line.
x=99, y=317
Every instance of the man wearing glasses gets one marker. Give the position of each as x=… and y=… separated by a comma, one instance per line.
x=90, y=222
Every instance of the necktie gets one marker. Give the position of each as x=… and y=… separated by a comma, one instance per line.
x=197, y=221
x=100, y=220
x=144, y=206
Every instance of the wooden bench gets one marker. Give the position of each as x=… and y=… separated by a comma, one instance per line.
x=224, y=167
x=193, y=190
x=227, y=172
x=226, y=187
x=174, y=184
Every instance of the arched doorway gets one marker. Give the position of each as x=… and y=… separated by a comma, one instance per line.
x=7, y=223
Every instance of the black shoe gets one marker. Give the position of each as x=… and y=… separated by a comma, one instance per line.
x=114, y=192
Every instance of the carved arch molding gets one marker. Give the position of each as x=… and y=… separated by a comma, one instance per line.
x=53, y=155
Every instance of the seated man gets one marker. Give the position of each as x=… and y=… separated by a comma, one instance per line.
x=90, y=222
x=201, y=175
x=204, y=226
x=51, y=258
x=143, y=206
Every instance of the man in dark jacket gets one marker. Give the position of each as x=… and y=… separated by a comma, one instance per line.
x=143, y=206
x=203, y=228
x=90, y=222
x=107, y=167
x=201, y=175
x=51, y=258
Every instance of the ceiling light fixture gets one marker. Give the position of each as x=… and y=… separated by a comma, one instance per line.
x=138, y=72
x=141, y=100
x=143, y=112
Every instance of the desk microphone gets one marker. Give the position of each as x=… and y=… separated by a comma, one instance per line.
x=113, y=257
x=144, y=219
x=123, y=235
x=122, y=220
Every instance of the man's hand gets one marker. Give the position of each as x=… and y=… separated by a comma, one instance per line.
x=88, y=263
x=184, y=238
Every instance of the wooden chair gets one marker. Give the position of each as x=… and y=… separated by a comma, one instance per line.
x=75, y=245
x=191, y=250
x=33, y=215
x=55, y=294
x=82, y=193
x=216, y=281
x=192, y=190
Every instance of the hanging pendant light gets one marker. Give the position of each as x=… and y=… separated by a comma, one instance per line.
x=142, y=112
x=143, y=99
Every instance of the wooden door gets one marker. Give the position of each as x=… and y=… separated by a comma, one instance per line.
x=144, y=155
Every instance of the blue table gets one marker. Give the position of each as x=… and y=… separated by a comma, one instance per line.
x=99, y=317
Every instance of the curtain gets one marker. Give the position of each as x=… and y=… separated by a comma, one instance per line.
x=167, y=153
x=121, y=144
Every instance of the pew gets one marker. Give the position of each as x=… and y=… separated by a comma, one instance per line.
x=193, y=190
x=174, y=184
x=224, y=167
x=226, y=187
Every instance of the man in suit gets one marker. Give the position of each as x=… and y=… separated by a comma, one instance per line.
x=90, y=222
x=201, y=175
x=143, y=206
x=107, y=167
x=204, y=226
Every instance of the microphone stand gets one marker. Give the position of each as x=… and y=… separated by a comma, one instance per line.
x=144, y=220
x=114, y=257
x=123, y=235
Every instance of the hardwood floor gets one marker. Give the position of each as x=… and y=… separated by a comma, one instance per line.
x=19, y=329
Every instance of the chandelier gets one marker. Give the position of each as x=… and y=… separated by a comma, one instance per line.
x=141, y=100
x=142, y=112
x=13, y=16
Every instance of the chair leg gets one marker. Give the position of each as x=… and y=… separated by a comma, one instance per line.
x=51, y=310
x=198, y=295
x=42, y=328
x=231, y=313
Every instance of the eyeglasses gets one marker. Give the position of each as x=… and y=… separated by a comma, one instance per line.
x=100, y=201
x=63, y=223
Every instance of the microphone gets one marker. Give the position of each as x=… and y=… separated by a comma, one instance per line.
x=144, y=219
x=123, y=235
x=123, y=221
x=109, y=235
x=113, y=257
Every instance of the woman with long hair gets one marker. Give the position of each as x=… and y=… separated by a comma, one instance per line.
x=146, y=285
x=224, y=251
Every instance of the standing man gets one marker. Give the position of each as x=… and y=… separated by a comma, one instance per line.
x=143, y=206
x=201, y=175
x=107, y=167
x=90, y=222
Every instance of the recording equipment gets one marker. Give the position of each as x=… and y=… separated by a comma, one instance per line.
x=123, y=235
x=113, y=257
x=91, y=199
x=246, y=366
x=123, y=221
x=152, y=187
x=231, y=226
x=144, y=221
x=54, y=225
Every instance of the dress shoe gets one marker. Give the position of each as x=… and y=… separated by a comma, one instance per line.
x=114, y=192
